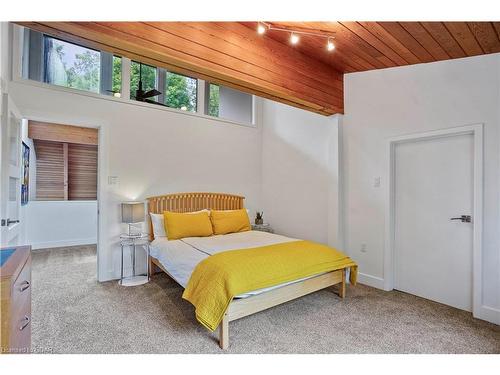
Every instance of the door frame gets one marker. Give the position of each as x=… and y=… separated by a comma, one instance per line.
x=476, y=130
x=9, y=111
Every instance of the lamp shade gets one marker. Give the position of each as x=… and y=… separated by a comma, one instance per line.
x=133, y=212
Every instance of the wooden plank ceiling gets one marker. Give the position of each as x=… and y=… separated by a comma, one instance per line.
x=364, y=46
x=305, y=75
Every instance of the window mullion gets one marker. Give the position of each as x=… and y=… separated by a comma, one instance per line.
x=125, y=94
x=161, y=84
x=35, y=57
x=201, y=97
x=106, y=74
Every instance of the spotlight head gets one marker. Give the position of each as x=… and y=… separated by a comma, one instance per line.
x=329, y=45
x=294, y=38
x=261, y=29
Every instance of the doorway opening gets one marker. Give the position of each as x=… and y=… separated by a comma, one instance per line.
x=59, y=202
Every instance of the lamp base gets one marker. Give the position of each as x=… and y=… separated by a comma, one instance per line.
x=130, y=232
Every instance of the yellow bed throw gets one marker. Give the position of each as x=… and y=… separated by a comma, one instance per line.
x=219, y=278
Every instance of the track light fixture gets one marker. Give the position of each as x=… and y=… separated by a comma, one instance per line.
x=329, y=45
x=263, y=27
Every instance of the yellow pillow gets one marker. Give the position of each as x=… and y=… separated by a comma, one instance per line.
x=180, y=225
x=230, y=221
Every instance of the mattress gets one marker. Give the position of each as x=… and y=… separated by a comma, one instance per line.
x=180, y=257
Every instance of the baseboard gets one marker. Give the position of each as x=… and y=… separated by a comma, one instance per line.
x=373, y=281
x=51, y=244
x=490, y=314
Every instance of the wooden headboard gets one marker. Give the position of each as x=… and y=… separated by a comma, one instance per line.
x=189, y=202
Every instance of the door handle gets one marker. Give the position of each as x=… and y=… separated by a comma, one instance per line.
x=7, y=222
x=25, y=321
x=463, y=218
x=25, y=285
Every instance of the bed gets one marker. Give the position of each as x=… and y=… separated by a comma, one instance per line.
x=178, y=258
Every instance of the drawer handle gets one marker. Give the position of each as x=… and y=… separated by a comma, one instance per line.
x=25, y=285
x=26, y=322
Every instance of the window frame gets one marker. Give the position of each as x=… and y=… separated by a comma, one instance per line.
x=165, y=72
x=207, y=103
x=44, y=62
x=17, y=76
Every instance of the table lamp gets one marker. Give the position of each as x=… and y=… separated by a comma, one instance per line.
x=133, y=213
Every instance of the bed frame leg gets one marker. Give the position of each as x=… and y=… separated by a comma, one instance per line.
x=342, y=285
x=224, y=333
x=152, y=267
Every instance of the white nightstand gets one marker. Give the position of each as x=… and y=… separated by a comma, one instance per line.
x=141, y=241
x=266, y=227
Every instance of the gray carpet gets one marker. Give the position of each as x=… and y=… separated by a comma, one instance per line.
x=73, y=313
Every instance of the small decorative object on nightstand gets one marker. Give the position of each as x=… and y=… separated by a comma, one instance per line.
x=134, y=241
x=263, y=227
x=259, y=218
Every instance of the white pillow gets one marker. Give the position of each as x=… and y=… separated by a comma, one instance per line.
x=158, y=221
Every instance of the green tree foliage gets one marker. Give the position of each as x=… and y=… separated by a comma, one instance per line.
x=117, y=74
x=213, y=101
x=180, y=92
x=84, y=74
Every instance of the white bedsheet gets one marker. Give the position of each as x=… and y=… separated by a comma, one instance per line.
x=177, y=257
x=180, y=257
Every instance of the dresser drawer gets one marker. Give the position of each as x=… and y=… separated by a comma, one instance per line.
x=21, y=289
x=15, y=302
x=20, y=330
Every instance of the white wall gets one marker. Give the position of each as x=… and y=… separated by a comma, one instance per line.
x=385, y=103
x=4, y=55
x=4, y=77
x=152, y=151
x=61, y=223
x=300, y=173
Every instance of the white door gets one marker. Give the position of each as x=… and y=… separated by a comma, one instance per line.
x=433, y=185
x=10, y=179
